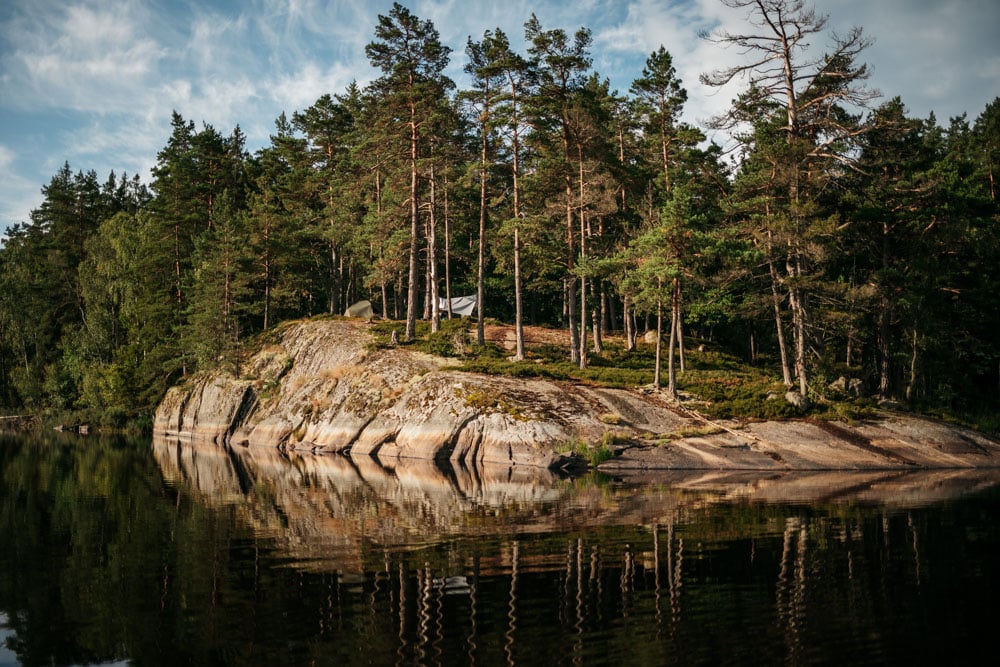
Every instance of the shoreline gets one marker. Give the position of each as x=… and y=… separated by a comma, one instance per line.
x=321, y=386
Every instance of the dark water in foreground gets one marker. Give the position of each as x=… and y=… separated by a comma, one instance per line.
x=115, y=551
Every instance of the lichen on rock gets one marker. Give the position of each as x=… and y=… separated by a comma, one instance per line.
x=322, y=386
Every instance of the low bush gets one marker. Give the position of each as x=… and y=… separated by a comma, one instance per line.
x=723, y=386
x=593, y=454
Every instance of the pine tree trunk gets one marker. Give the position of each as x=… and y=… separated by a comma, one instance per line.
x=678, y=299
x=597, y=317
x=481, y=259
x=447, y=250
x=574, y=334
x=378, y=212
x=518, y=298
x=671, y=372
x=412, y=293
x=659, y=333
x=399, y=298
x=583, y=256
x=609, y=308
x=570, y=283
x=911, y=386
x=267, y=275
x=628, y=324
x=799, y=324
x=426, y=315
x=884, y=341
x=516, y=175
x=786, y=371
x=432, y=288
x=333, y=288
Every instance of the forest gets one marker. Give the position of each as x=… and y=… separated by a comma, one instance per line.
x=835, y=235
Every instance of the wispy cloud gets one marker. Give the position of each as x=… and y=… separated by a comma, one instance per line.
x=297, y=90
x=78, y=57
x=107, y=75
x=18, y=194
x=218, y=43
x=678, y=27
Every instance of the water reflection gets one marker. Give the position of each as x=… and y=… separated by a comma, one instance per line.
x=186, y=554
x=595, y=557
x=359, y=501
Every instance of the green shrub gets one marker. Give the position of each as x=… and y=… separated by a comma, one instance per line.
x=594, y=455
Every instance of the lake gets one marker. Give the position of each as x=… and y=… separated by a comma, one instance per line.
x=131, y=551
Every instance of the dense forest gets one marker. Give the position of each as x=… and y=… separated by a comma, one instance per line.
x=834, y=235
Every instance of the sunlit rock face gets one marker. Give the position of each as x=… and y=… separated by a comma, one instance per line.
x=321, y=386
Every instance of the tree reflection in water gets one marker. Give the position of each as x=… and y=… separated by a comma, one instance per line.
x=201, y=555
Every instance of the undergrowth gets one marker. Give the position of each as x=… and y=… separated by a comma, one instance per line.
x=593, y=454
x=716, y=384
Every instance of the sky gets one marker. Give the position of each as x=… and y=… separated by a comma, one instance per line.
x=93, y=82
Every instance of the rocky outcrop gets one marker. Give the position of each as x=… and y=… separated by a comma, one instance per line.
x=894, y=441
x=322, y=386
x=18, y=423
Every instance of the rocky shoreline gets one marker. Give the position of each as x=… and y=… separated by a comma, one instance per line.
x=323, y=387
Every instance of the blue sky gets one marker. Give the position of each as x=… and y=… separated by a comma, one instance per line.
x=94, y=82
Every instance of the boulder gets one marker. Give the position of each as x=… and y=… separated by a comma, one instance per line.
x=797, y=400
x=853, y=387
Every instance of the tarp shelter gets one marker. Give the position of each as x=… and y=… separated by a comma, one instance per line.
x=460, y=305
x=360, y=309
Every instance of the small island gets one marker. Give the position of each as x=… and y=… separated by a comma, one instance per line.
x=336, y=386
x=830, y=250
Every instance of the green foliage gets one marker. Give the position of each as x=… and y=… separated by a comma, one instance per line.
x=744, y=393
x=451, y=340
x=112, y=292
x=593, y=454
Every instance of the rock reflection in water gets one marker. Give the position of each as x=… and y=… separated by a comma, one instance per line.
x=329, y=508
x=207, y=556
x=516, y=566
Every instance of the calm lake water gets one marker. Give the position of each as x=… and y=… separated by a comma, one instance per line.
x=115, y=551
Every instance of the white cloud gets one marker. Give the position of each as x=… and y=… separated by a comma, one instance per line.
x=219, y=101
x=111, y=73
x=18, y=194
x=298, y=90
x=677, y=26
x=78, y=57
x=217, y=43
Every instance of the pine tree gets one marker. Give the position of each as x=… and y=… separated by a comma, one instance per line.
x=560, y=64
x=412, y=59
x=512, y=82
x=807, y=97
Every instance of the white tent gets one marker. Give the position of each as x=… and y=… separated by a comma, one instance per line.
x=460, y=305
x=360, y=309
